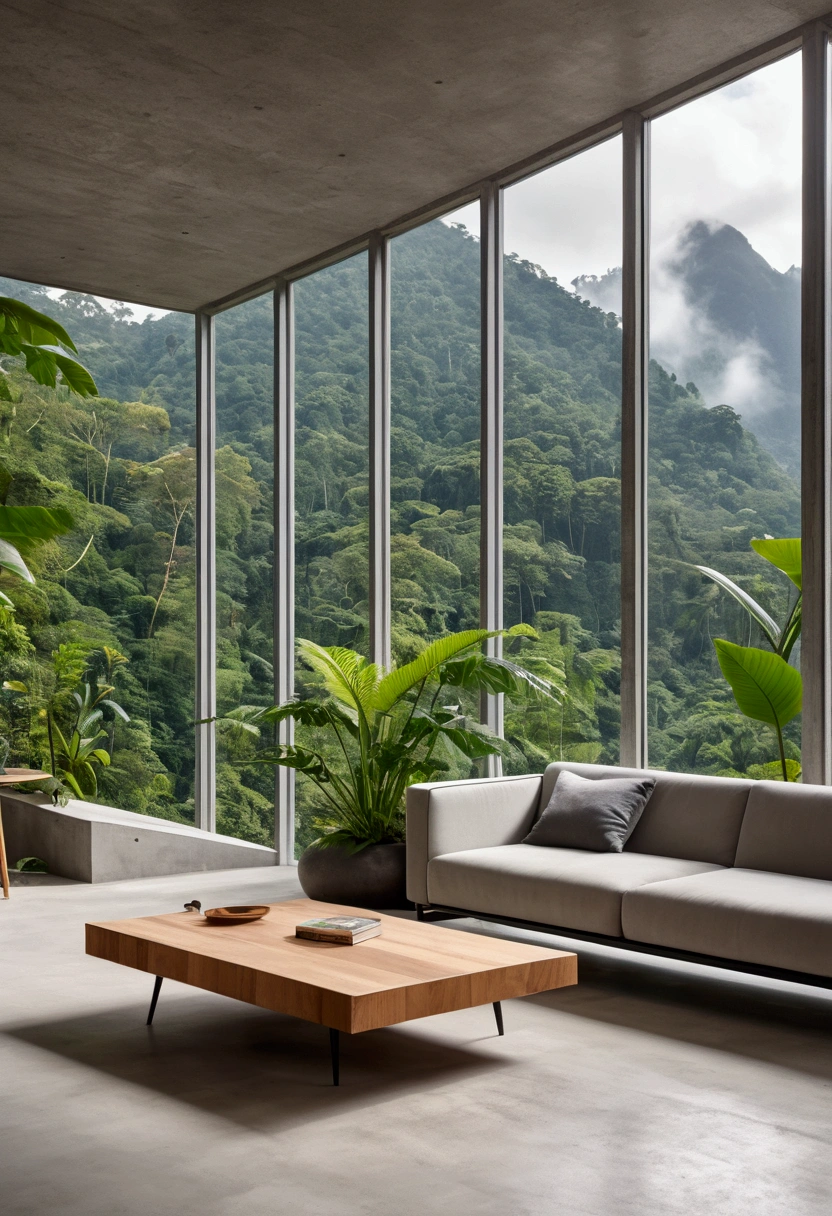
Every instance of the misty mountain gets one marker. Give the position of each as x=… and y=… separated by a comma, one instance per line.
x=725, y=319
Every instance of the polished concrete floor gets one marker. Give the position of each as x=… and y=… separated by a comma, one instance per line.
x=650, y=1088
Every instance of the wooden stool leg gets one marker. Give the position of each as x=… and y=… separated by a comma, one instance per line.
x=4, y=868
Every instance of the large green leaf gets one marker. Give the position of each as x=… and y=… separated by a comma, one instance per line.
x=785, y=554
x=24, y=527
x=347, y=675
x=31, y=325
x=480, y=672
x=11, y=560
x=75, y=375
x=402, y=679
x=767, y=623
x=766, y=688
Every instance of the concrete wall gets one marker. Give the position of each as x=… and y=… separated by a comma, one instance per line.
x=103, y=844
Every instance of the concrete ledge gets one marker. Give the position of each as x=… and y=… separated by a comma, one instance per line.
x=103, y=844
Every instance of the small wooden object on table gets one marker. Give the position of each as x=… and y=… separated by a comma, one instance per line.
x=14, y=776
x=412, y=970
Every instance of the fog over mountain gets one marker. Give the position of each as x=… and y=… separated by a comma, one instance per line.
x=724, y=319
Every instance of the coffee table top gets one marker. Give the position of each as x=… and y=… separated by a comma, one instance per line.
x=411, y=970
x=19, y=776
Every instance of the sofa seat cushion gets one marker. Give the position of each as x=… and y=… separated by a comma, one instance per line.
x=771, y=920
x=571, y=888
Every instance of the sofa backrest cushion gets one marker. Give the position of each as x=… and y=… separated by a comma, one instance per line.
x=688, y=816
x=787, y=829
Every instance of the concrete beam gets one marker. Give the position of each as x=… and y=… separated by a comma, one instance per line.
x=172, y=154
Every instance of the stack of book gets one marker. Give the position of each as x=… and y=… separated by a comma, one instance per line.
x=343, y=930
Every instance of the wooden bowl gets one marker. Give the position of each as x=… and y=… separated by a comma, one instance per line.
x=240, y=914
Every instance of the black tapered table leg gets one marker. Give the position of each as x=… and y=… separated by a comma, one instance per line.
x=498, y=1014
x=157, y=988
x=334, y=1051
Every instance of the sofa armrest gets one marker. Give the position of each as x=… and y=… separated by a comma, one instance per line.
x=450, y=816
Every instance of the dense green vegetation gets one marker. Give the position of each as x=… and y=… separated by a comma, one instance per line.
x=124, y=467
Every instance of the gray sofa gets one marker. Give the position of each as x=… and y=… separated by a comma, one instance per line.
x=737, y=873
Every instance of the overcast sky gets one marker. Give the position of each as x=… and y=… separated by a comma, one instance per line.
x=731, y=157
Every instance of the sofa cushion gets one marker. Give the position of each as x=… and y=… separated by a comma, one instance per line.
x=691, y=817
x=567, y=887
x=787, y=829
x=595, y=815
x=771, y=920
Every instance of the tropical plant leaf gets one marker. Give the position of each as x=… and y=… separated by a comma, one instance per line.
x=117, y=709
x=25, y=527
x=792, y=629
x=72, y=783
x=785, y=554
x=773, y=771
x=11, y=560
x=15, y=686
x=767, y=623
x=522, y=631
x=308, y=713
x=399, y=681
x=31, y=325
x=765, y=687
x=347, y=675
x=472, y=745
x=478, y=671
x=75, y=376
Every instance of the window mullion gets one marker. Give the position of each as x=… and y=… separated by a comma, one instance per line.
x=205, y=783
x=634, y=373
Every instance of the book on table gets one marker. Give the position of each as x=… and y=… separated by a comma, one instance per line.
x=343, y=930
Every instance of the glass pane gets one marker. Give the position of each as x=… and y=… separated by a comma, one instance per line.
x=724, y=409
x=245, y=532
x=561, y=535
x=331, y=476
x=435, y=426
x=113, y=604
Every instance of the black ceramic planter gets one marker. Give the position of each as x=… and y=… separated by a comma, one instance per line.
x=373, y=878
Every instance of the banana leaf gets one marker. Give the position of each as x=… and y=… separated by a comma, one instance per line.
x=785, y=554
x=765, y=687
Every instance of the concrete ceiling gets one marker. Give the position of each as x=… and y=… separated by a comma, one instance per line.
x=171, y=152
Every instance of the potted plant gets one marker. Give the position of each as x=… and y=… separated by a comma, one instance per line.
x=391, y=729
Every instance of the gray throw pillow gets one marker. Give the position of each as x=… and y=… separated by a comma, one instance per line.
x=595, y=815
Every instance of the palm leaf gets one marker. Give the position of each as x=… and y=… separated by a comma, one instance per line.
x=347, y=675
x=785, y=554
x=765, y=687
x=402, y=679
x=767, y=623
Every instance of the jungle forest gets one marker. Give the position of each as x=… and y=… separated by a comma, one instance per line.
x=114, y=607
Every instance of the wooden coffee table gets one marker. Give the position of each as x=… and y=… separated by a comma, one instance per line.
x=411, y=971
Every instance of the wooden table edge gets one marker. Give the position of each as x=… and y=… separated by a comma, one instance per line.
x=324, y=1006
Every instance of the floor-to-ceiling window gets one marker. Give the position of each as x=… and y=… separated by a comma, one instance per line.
x=724, y=416
x=562, y=492
x=435, y=430
x=244, y=483
x=331, y=475
x=113, y=604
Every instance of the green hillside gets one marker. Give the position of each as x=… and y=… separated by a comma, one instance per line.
x=124, y=467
